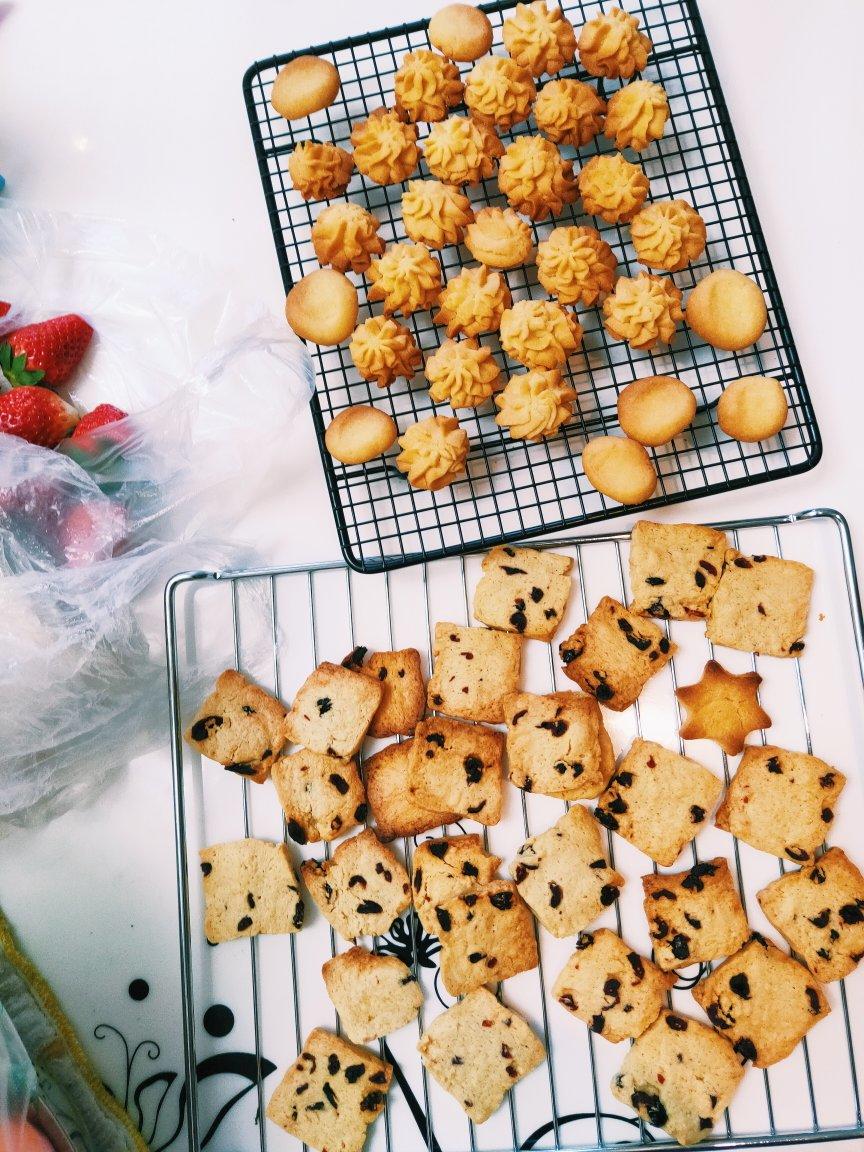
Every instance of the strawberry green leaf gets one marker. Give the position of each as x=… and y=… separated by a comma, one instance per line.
x=15, y=369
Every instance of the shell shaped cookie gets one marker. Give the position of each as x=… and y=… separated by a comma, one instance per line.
x=569, y=112
x=435, y=214
x=611, y=45
x=535, y=404
x=462, y=150
x=535, y=177
x=426, y=86
x=385, y=149
x=576, y=265
x=538, y=38
x=320, y=171
x=499, y=238
x=668, y=234
x=346, y=236
x=500, y=90
x=433, y=453
x=643, y=310
x=636, y=114
x=473, y=302
x=540, y=333
x=612, y=188
x=407, y=279
x=383, y=350
x=462, y=373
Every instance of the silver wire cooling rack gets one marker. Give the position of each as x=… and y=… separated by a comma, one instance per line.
x=285, y=620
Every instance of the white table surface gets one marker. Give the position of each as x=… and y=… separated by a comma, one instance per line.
x=135, y=111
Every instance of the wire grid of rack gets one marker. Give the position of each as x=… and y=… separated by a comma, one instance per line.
x=514, y=488
x=301, y=615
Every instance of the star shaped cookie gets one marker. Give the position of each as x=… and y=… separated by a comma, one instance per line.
x=723, y=707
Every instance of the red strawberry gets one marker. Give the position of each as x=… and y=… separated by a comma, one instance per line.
x=90, y=532
x=45, y=353
x=4, y=308
x=36, y=415
x=101, y=415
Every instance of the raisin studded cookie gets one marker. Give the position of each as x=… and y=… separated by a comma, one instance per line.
x=332, y=1093
x=763, y=1001
x=658, y=800
x=321, y=797
x=239, y=725
x=557, y=744
x=761, y=605
x=403, y=689
x=819, y=910
x=393, y=802
x=374, y=995
x=614, y=654
x=781, y=802
x=477, y=1050
x=457, y=768
x=675, y=569
x=680, y=1075
x=523, y=590
x=249, y=890
x=563, y=876
x=362, y=889
x=486, y=935
x=333, y=710
x=446, y=868
x=694, y=916
x=473, y=669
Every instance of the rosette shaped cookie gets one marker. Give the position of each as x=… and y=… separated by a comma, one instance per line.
x=407, y=278
x=538, y=38
x=612, y=188
x=569, y=112
x=643, y=311
x=473, y=302
x=435, y=214
x=346, y=236
x=535, y=404
x=383, y=350
x=535, y=177
x=462, y=373
x=320, y=171
x=462, y=150
x=611, y=45
x=500, y=90
x=540, y=333
x=576, y=265
x=669, y=234
x=433, y=453
x=637, y=114
x=499, y=238
x=426, y=86
x=385, y=149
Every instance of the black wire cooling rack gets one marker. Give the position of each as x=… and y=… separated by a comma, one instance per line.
x=515, y=489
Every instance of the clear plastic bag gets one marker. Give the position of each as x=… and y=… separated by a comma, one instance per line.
x=18, y=1087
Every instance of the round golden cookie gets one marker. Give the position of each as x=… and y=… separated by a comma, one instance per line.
x=501, y=91
x=385, y=149
x=576, y=265
x=473, y=302
x=346, y=236
x=727, y=309
x=461, y=31
x=655, y=409
x=535, y=404
x=538, y=38
x=535, y=177
x=383, y=350
x=322, y=307
x=643, y=310
x=612, y=188
x=620, y=469
x=752, y=408
x=303, y=86
x=540, y=333
x=668, y=234
x=407, y=278
x=359, y=434
x=435, y=214
x=433, y=453
x=569, y=112
x=320, y=171
x=462, y=150
x=611, y=45
x=636, y=114
x=462, y=373
x=499, y=238
x=426, y=86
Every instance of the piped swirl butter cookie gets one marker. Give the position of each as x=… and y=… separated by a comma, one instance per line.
x=668, y=234
x=569, y=112
x=499, y=238
x=462, y=373
x=576, y=265
x=462, y=150
x=611, y=45
x=385, y=149
x=535, y=177
x=383, y=350
x=500, y=90
x=407, y=279
x=473, y=302
x=643, y=310
x=540, y=333
x=433, y=453
x=426, y=86
x=346, y=236
x=535, y=404
x=636, y=115
x=612, y=188
x=320, y=171
x=538, y=38
x=435, y=214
